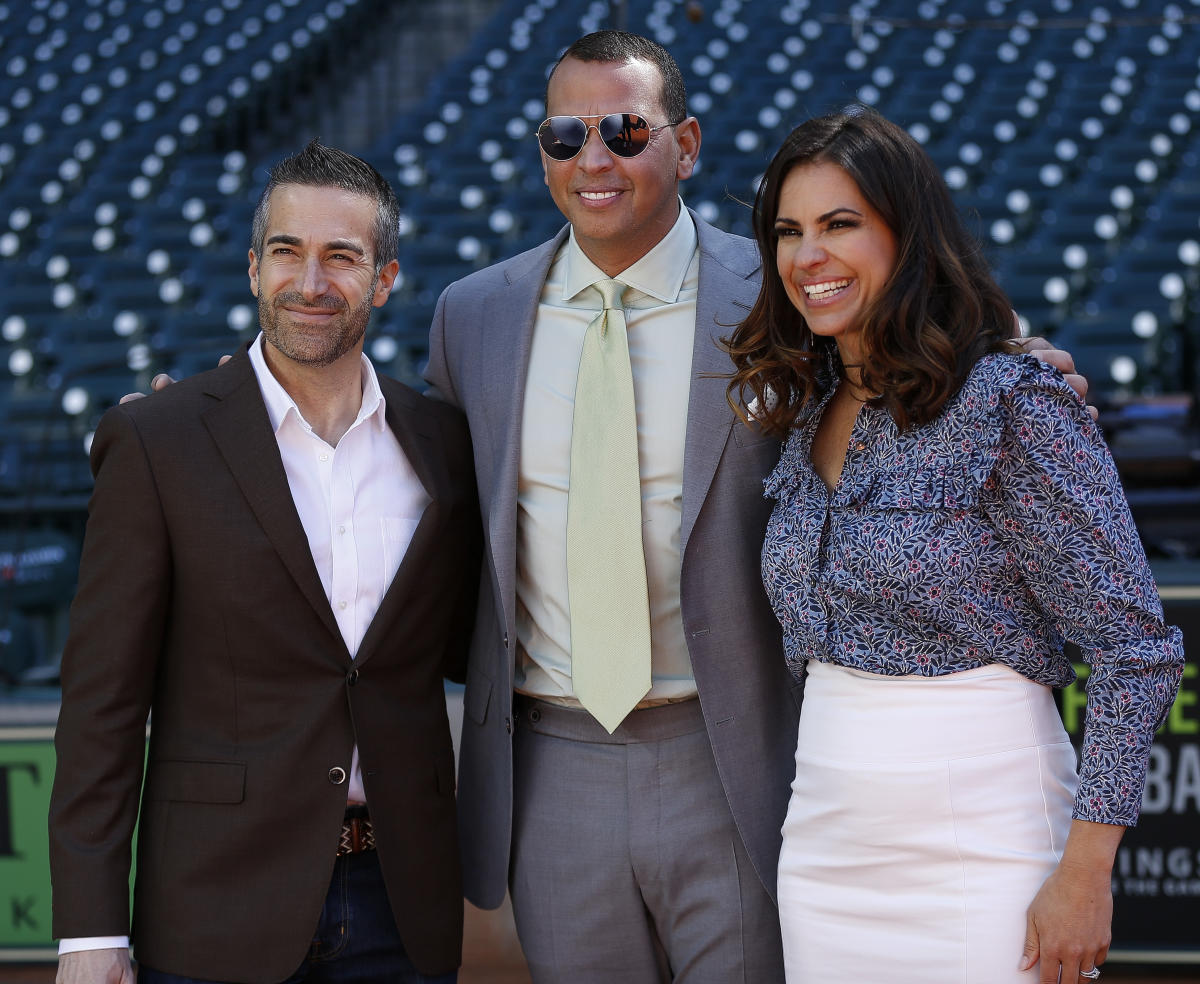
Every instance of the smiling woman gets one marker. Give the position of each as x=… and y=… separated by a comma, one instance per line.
x=937, y=501
x=871, y=190
x=835, y=253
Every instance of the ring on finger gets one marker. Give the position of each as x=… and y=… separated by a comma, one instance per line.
x=1091, y=975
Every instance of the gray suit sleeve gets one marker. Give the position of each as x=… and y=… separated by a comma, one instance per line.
x=437, y=372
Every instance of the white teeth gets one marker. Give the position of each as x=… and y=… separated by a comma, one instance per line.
x=598, y=196
x=829, y=288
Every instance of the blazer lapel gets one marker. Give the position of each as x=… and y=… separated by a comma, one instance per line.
x=410, y=422
x=506, y=348
x=728, y=287
x=241, y=429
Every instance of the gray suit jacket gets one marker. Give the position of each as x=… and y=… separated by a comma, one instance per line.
x=479, y=357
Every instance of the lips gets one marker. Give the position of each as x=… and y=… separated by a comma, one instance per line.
x=825, y=289
x=309, y=316
x=296, y=306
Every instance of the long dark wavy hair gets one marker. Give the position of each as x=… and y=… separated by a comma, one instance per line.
x=938, y=312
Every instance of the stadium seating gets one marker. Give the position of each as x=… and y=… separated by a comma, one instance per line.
x=1070, y=131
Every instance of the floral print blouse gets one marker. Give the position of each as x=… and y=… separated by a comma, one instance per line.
x=985, y=536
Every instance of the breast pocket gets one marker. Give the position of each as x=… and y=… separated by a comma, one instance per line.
x=752, y=436
x=396, y=533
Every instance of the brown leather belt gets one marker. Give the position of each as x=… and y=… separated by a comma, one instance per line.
x=358, y=833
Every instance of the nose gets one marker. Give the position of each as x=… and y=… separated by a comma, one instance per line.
x=313, y=282
x=809, y=254
x=594, y=156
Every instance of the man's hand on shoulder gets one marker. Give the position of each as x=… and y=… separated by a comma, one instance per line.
x=108, y=966
x=162, y=381
x=1063, y=362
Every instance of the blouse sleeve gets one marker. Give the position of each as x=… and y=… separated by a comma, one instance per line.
x=1057, y=503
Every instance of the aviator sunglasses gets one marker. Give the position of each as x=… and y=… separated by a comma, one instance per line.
x=625, y=134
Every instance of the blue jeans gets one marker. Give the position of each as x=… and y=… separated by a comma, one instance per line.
x=355, y=942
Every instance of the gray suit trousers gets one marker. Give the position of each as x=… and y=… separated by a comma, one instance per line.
x=627, y=865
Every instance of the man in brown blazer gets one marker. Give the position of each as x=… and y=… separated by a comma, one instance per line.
x=280, y=565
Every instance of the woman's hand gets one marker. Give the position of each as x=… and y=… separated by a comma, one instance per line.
x=1069, y=922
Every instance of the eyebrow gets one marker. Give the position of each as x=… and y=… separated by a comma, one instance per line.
x=834, y=211
x=344, y=245
x=784, y=221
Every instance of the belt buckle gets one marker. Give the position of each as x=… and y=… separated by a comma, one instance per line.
x=357, y=835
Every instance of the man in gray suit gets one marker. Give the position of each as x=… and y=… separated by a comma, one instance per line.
x=647, y=853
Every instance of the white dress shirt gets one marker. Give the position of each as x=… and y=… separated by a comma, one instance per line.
x=359, y=504
x=660, y=311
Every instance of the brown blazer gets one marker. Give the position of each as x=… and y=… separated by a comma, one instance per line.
x=198, y=599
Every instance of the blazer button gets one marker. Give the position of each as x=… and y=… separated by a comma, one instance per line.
x=337, y=775
x=352, y=679
x=505, y=640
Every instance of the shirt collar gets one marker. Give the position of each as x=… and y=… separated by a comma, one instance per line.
x=660, y=273
x=280, y=403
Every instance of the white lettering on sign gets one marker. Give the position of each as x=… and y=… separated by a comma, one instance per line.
x=1173, y=780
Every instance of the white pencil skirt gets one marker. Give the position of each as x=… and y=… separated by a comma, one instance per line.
x=925, y=815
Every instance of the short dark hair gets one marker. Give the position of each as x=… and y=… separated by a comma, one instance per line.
x=619, y=46
x=938, y=312
x=327, y=167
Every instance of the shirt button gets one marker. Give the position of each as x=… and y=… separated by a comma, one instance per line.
x=860, y=446
x=341, y=529
x=342, y=605
x=337, y=775
x=324, y=457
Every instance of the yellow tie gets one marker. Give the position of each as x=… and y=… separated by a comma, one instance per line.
x=606, y=568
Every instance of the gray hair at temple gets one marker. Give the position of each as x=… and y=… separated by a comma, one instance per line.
x=327, y=167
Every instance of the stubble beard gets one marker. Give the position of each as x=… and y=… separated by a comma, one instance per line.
x=307, y=348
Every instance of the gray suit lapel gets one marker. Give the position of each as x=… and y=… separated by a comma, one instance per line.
x=506, y=350
x=728, y=286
